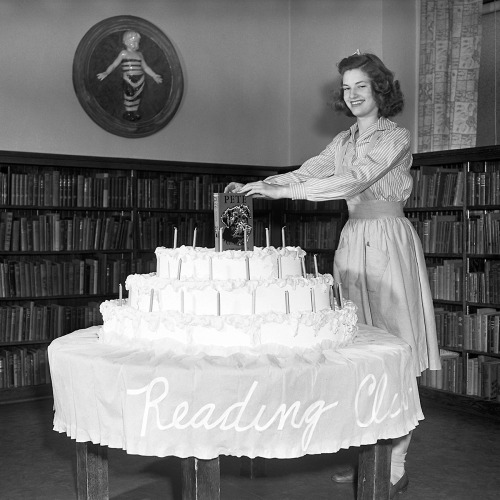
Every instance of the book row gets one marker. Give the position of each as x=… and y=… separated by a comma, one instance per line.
x=53, y=233
x=483, y=232
x=478, y=331
x=482, y=376
x=312, y=232
x=65, y=188
x=36, y=277
x=444, y=186
x=446, y=282
x=179, y=191
x=313, y=206
x=484, y=286
x=484, y=187
x=449, y=378
x=436, y=187
x=59, y=188
x=446, y=279
x=30, y=321
x=439, y=233
x=23, y=367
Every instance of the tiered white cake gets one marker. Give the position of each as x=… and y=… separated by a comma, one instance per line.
x=227, y=302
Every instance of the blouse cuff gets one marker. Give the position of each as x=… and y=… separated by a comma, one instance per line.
x=298, y=191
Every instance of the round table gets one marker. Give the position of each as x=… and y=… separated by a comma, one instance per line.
x=281, y=404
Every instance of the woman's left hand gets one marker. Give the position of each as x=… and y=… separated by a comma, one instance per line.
x=261, y=189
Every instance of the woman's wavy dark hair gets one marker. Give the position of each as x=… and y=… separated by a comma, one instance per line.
x=386, y=90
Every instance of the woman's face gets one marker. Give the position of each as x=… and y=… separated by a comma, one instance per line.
x=358, y=94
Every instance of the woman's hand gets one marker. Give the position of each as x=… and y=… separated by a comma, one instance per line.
x=233, y=187
x=261, y=189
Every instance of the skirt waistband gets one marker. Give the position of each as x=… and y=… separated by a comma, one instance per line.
x=375, y=209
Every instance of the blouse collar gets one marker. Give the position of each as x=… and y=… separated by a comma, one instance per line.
x=381, y=124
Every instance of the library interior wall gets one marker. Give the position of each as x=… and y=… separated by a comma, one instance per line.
x=257, y=74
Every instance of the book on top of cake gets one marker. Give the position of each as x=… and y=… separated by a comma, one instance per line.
x=233, y=222
x=225, y=302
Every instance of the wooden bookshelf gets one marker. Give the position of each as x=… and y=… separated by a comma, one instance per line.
x=455, y=208
x=72, y=228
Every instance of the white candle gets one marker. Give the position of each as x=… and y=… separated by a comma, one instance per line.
x=221, y=229
x=182, y=301
x=157, y=266
x=283, y=244
x=210, y=269
x=303, y=267
x=179, y=268
x=341, y=296
x=287, y=302
x=245, y=244
x=247, y=265
x=175, y=237
x=151, y=298
x=316, y=265
x=279, y=266
x=268, y=241
x=120, y=293
x=194, y=238
x=218, y=303
x=253, y=300
x=313, y=301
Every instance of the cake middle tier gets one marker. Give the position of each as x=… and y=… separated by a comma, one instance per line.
x=148, y=292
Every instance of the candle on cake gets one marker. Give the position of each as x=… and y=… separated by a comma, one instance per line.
x=247, y=266
x=151, y=298
x=341, y=296
x=175, y=237
x=268, y=241
x=194, y=238
x=120, y=296
x=221, y=229
x=283, y=243
x=316, y=273
x=313, y=301
x=245, y=244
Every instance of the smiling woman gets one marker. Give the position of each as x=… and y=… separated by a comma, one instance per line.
x=379, y=259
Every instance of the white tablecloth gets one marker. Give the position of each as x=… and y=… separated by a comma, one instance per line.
x=205, y=406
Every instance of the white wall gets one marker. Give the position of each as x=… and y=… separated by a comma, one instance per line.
x=256, y=73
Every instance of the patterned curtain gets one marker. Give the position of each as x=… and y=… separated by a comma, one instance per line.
x=450, y=49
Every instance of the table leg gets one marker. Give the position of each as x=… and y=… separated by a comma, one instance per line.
x=200, y=479
x=92, y=471
x=374, y=474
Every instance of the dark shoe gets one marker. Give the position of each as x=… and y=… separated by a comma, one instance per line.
x=344, y=474
x=401, y=486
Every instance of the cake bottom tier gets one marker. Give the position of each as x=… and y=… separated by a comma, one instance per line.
x=227, y=334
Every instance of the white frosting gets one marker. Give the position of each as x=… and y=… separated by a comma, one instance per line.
x=223, y=302
x=206, y=263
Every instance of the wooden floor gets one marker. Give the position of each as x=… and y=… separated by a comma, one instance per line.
x=453, y=456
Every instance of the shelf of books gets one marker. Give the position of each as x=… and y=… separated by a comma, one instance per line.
x=455, y=208
x=315, y=227
x=72, y=228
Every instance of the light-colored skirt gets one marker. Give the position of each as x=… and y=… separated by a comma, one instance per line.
x=381, y=266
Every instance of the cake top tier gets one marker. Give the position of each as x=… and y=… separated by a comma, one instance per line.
x=187, y=262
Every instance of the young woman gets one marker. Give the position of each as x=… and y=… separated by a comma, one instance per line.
x=379, y=260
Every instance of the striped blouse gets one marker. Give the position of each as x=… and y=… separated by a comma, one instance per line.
x=385, y=169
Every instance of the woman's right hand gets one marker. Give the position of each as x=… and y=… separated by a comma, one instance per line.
x=233, y=187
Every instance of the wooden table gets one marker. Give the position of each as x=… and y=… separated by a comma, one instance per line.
x=162, y=405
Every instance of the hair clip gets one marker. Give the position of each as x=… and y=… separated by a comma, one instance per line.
x=357, y=53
